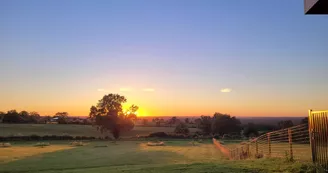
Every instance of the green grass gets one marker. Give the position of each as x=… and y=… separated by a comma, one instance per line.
x=73, y=130
x=128, y=156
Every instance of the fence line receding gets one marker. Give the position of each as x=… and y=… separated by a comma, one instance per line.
x=291, y=143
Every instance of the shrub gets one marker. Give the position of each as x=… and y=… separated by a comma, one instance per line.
x=158, y=134
x=35, y=137
x=177, y=136
x=54, y=137
x=181, y=128
x=67, y=137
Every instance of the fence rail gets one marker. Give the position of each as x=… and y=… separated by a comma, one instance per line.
x=292, y=144
x=304, y=142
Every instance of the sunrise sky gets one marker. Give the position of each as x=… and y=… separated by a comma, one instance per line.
x=171, y=58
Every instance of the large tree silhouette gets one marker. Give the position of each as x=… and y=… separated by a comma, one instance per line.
x=225, y=124
x=108, y=115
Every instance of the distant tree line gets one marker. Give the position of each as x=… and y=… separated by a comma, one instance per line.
x=220, y=125
x=24, y=117
x=12, y=116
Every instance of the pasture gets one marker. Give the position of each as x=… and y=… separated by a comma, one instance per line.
x=130, y=156
x=73, y=130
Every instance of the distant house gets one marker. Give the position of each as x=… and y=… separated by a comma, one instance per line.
x=53, y=120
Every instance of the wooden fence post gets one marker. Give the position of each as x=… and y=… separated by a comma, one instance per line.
x=269, y=143
x=290, y=140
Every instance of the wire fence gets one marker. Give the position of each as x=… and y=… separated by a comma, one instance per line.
x=292, y=143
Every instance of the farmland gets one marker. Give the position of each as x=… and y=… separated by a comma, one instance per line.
x=130, y=156
x=123, y=156
x=73, y=130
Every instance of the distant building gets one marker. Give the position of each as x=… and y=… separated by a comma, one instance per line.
x=53, y=120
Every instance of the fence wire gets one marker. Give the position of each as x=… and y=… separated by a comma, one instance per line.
x=292, y=143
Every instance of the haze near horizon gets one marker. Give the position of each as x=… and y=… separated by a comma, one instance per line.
x=171, y=58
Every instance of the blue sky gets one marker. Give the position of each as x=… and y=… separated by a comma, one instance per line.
x=64, y=55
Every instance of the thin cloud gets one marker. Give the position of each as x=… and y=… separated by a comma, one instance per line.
x=125, y=89
x=226, y=90
x=149, y=89
x=101, y=90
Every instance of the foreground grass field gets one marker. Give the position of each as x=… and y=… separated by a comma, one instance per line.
x=73, y=130
x=128, y=156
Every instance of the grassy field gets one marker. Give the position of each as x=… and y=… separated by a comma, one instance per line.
x=73, y=130
x=128, y=156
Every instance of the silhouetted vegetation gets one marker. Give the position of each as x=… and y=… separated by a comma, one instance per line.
x=157, y=121
x=144, y=122
x=12, y=116
x=173, y=121
x=46, y=137
x=250, y=130
x=225, y=124
x=187, y=120
x=169, y=135
x=305, y=120
x=61, y=117
x=181, y=128
x=108, y=115
x=24, y=117
x=219, y=124
x=285, y=124
x=158, y=134
x=205, y=124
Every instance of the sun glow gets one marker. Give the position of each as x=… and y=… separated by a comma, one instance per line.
x=140, y=113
